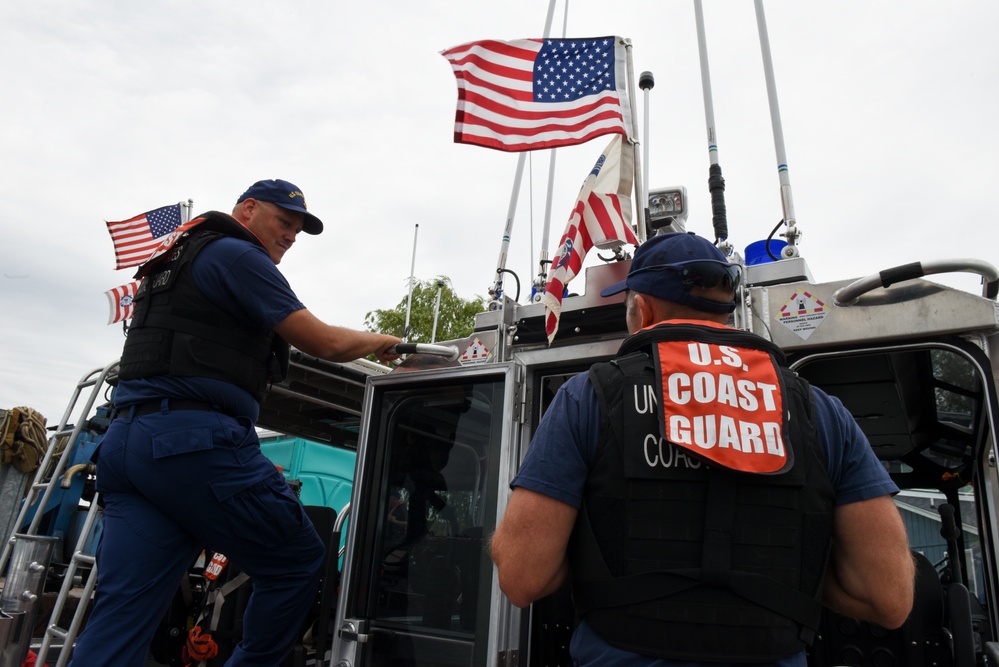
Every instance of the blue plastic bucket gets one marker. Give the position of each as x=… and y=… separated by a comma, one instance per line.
x=756, y=252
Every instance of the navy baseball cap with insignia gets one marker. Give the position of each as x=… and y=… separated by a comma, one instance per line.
x=286, y=195
x=668, y=265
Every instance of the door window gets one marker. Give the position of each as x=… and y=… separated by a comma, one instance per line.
x=424, y=566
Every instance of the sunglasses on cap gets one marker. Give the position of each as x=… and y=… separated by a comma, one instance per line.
x=701, y=274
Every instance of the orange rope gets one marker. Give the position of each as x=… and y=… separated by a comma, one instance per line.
x=31, y=659
x=200, y=647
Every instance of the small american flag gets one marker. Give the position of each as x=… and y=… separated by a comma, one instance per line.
x=135, y=239
x=601, y=218
x=120, y=301
x=531, y=93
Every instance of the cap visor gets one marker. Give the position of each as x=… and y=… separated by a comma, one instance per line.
x=312, y=224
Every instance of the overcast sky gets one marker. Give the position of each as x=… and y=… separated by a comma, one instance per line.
x=115, y=107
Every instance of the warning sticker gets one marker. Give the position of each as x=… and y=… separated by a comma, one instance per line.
x=802, y=314
x=475, y=353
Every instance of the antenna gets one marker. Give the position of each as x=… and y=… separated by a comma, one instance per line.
x=437, y=310
x=543, y=259
x=716, y=184
x=412, y=282
x=646, y=82
x=496, y=291
x=792, y=233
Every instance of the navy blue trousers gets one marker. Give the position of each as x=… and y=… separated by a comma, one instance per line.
x=172, y=484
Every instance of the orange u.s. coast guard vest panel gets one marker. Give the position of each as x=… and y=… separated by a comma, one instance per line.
x=723, y=403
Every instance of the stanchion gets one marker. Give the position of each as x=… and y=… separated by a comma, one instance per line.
x=21, y=598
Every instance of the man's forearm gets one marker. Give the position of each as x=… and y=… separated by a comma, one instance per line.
x=874, y=605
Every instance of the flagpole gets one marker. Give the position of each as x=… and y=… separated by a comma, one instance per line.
x=496, y=291
x=633, y=140
x=791, y=234
x=716, y=184
x=412, y=281
x=188, y=209
x=543, y=258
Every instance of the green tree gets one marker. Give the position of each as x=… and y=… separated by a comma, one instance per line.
x=456, y=317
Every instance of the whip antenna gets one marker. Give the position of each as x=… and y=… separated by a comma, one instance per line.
x=716, y=184
x=787, y=203
x=543, y=259
x=646, y=82
x=496, y=291
x=412, y=284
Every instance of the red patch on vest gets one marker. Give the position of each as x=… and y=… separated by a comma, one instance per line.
x=724, y=404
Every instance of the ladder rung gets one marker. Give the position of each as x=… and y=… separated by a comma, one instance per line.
x=81, y=557
x=56, y=631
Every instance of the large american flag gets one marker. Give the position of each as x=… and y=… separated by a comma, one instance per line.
x=135, y=239
x=531, y=93
x=120, y=301
x=601, y=217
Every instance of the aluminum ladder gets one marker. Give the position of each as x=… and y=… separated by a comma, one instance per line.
x=96, y=381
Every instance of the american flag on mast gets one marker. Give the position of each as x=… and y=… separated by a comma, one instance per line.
x=601, y=217
x=528, y=94
x=137, y=238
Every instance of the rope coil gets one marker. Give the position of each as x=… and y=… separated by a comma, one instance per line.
x=22, y=438
x=200, y=646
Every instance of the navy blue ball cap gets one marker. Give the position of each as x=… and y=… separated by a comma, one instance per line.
x=668, y=265
x=286, y=195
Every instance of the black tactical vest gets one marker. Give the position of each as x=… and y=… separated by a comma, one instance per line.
x=678, y=558
x=176, y=330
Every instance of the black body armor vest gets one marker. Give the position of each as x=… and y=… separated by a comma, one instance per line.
x=176, y=330
x=683, y=559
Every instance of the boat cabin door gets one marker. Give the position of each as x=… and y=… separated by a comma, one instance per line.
x=417, y=586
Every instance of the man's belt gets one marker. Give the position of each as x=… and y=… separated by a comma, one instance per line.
x=173, y=404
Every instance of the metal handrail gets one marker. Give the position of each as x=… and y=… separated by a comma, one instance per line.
x=847, y=296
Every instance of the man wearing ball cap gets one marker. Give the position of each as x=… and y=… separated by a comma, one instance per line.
x=180, y=468
x=702, y=501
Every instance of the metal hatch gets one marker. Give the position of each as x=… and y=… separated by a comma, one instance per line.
x=928, y=407
x=417, y=585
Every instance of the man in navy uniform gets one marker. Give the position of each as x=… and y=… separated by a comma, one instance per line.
x=180, y=468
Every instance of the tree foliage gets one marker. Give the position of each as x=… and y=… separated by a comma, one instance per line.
x=957, y=382
x=456, y=317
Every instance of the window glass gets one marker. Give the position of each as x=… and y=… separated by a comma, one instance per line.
x=427, y=571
